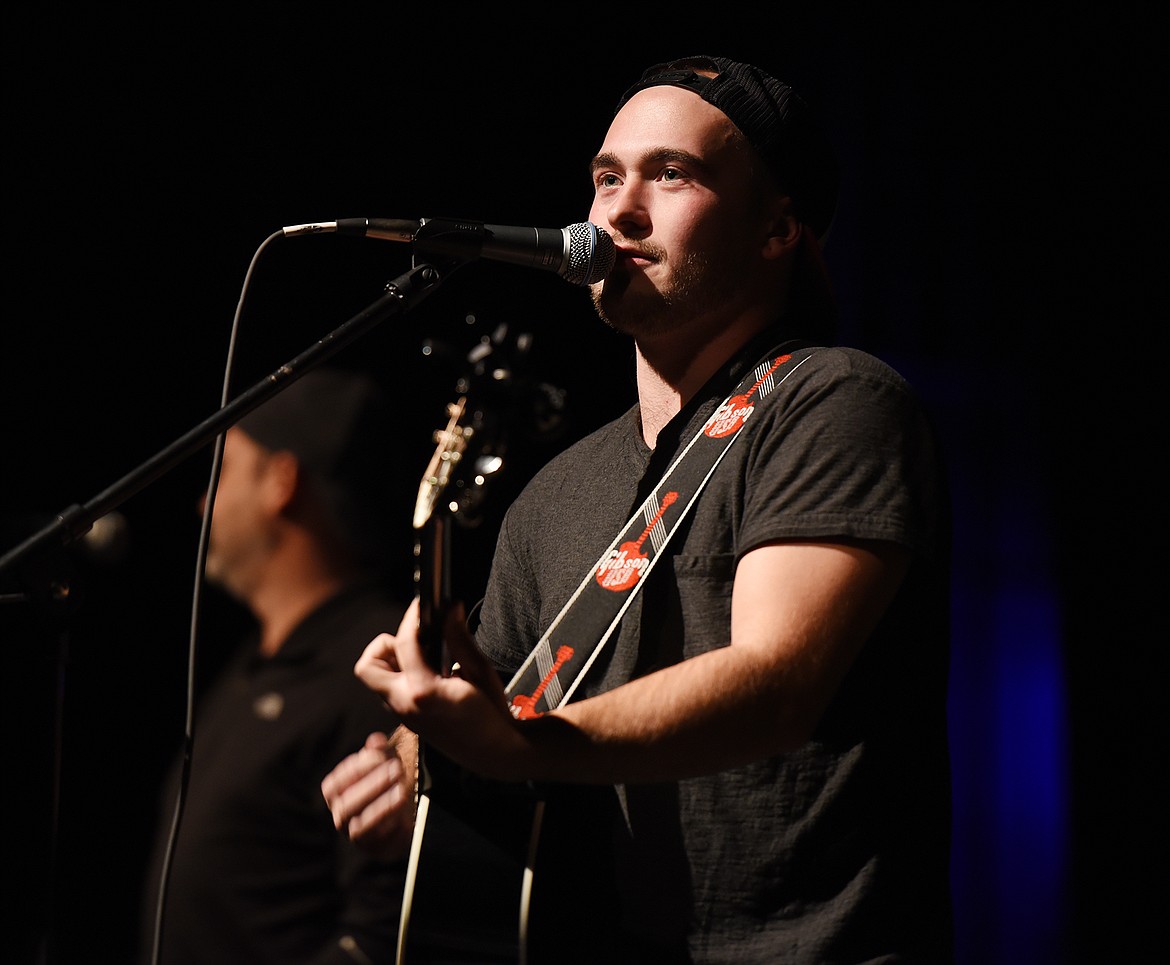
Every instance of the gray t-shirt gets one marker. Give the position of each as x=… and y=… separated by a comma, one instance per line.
x=835, y=852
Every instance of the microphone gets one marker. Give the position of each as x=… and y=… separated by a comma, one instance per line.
x=106, y=541
x=581, y=253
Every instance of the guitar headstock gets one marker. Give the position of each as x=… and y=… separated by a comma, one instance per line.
x=451, y=444
x=471, y=448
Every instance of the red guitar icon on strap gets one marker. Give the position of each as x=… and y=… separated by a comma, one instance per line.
x=735, y=411
x=624, y=566
x=524, y=707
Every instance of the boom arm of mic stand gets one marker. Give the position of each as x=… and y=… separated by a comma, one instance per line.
x=400, y=295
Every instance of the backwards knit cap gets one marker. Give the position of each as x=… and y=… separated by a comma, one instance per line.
x=773, y=119
x=339, y=426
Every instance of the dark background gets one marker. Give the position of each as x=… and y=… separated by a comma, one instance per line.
x=1000, y=241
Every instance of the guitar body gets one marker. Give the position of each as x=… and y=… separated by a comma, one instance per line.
x=480, y=890
x=470, y=883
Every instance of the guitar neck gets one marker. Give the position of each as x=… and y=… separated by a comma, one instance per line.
x=433, y=583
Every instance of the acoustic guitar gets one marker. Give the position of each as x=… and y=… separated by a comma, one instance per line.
x=474, y=840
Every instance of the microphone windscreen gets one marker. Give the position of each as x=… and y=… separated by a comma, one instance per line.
x=591, y=254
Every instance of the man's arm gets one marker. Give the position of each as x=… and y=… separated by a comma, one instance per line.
x=801, y=612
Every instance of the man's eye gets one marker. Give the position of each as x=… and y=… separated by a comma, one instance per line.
x=671, y=174
x=607, y=180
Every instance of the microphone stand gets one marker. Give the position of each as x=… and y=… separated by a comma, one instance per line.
x=41, y=583
x=75, y=521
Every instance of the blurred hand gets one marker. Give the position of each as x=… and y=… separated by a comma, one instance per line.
x=371, y=793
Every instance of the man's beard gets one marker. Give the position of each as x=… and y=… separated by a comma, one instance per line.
x=696, y=287
x=218, y=572
x=233, y=565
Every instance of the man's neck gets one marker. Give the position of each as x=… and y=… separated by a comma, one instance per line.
x=283, y=602
x=672, y=368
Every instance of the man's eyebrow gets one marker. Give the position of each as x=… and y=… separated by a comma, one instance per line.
x=603, y=161
x=657, y=155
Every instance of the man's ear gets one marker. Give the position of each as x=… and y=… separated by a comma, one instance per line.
x=783, y=230
x=283, y=477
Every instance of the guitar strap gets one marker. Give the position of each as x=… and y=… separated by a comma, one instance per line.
x=561, y=658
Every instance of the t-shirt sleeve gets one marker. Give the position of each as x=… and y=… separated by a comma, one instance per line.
x=847, y=451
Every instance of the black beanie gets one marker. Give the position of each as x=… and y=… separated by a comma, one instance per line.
x=339, y=425
x=773, y=119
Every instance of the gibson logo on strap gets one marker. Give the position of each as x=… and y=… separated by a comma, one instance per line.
x=623, y=567
x=735, y=411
